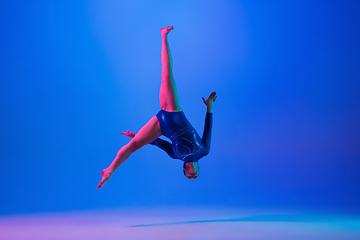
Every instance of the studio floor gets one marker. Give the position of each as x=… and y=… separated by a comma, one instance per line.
x=180, y=223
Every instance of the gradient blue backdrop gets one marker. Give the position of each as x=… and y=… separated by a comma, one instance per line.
x=74, y=74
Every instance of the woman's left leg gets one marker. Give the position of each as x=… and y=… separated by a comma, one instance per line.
x=169, y=99
x=148, y=133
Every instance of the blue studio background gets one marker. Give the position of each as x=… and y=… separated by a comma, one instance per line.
x=74, y=74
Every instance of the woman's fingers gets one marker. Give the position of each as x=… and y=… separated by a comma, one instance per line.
x=127, y=132
x=212, y=97
x=205, y=101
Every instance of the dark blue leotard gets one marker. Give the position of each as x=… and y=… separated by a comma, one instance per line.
x=186, y=142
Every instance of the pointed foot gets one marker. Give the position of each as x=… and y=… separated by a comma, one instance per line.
x=106, y=174
x=165, y=31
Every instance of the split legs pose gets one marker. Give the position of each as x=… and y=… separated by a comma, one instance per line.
x=169, y=101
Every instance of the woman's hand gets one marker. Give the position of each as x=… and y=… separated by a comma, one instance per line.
x=210, y=101
x=129, y=134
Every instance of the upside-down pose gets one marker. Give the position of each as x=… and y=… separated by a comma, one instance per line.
x=171, y=122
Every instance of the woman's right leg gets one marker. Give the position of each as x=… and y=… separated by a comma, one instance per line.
x=148, y=133
x=169, y=100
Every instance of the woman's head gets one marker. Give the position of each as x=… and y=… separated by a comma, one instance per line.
x=191, y=170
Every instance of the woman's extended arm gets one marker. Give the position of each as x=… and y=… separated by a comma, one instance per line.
x=164, y=145
x=206, y=139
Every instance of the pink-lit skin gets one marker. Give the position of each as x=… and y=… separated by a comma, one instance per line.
x=169, y=101
x=148, y=133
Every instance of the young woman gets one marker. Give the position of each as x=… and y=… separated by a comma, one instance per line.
x=171, y=122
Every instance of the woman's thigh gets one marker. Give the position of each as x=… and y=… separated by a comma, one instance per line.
x=148, y=133
x=169, y=99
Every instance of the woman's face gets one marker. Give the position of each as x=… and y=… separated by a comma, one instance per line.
x=191, y=170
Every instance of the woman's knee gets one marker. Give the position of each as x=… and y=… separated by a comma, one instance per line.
x=133, y=146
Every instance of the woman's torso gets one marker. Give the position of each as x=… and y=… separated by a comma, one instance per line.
x=186, y=142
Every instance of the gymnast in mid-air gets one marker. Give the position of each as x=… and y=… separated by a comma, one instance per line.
x=171, y=122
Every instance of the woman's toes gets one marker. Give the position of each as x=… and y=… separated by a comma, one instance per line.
x=165, y=31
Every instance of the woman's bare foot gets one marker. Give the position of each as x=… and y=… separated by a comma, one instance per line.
x=106, y=174
x=165, y=31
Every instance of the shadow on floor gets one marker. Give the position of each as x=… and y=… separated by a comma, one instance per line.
x=265, y=218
